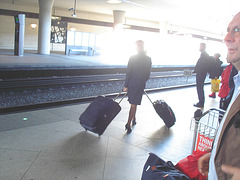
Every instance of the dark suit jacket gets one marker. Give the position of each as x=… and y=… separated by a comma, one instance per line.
x=138, y=71
x=202, y=66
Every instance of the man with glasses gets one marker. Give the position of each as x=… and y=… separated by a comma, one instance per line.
x=224, y=160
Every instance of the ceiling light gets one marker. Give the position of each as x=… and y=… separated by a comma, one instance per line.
x=114, y=1
x=126, y=26
x=33, y=26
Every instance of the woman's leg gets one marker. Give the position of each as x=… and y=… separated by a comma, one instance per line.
x=132, y=113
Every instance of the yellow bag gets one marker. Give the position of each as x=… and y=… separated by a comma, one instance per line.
x=215, y=85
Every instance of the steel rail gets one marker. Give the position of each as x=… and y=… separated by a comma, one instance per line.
x=72, y=80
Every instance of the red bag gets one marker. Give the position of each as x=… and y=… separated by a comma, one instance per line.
x=189, y=166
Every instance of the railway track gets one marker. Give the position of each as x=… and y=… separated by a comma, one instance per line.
x=72, y=80
x=28, y=94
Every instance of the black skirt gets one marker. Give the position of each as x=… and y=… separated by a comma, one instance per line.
x=135, y=96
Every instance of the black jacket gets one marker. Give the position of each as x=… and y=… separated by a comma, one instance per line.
x=202, y=66
x=138, y=71
x=215, y=68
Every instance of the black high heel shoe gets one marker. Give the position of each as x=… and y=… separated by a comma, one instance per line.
x=128, y=128
x=134, y=122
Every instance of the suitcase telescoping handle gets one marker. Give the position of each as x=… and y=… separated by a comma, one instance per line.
x=119, y=95
x=148, y=96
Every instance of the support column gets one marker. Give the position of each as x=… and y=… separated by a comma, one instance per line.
x=19, y=34
x=44, y=27
x=164, y=28
x=119, y=20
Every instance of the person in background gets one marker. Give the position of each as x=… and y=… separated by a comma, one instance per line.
x=227, y=88
x=214, y=87
x=201, y=69
x=223, y=162
x=224, y=89
x=138, y=72
x=215, y=72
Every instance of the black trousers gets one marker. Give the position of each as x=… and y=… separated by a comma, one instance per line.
x=200, y=78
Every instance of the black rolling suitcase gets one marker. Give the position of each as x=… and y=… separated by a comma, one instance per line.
x=164, y=111
x=100, y=113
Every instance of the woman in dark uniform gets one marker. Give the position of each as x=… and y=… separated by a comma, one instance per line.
x=138, y=72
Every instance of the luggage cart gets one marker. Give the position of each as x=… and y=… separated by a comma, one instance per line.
x=205, y=128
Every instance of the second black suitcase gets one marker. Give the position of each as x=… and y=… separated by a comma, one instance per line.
x=164, y=111
x=99, y=114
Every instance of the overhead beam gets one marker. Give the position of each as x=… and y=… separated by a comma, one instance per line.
x=76, y=20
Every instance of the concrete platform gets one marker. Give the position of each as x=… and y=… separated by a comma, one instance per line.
x=32, y=60
x=50, y=143
x=32, y=65
x=55, y=60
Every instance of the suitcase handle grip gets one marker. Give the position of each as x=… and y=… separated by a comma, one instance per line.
x=148, y=96
x=119, y=95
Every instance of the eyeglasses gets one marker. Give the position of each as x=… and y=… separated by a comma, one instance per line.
x=234, y=31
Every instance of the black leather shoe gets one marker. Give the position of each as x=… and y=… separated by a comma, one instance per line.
x=128, y=128
x=198, y=105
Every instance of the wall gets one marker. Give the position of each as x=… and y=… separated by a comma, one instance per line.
x=6, y=32
x=7, y=25
x=89, y=28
